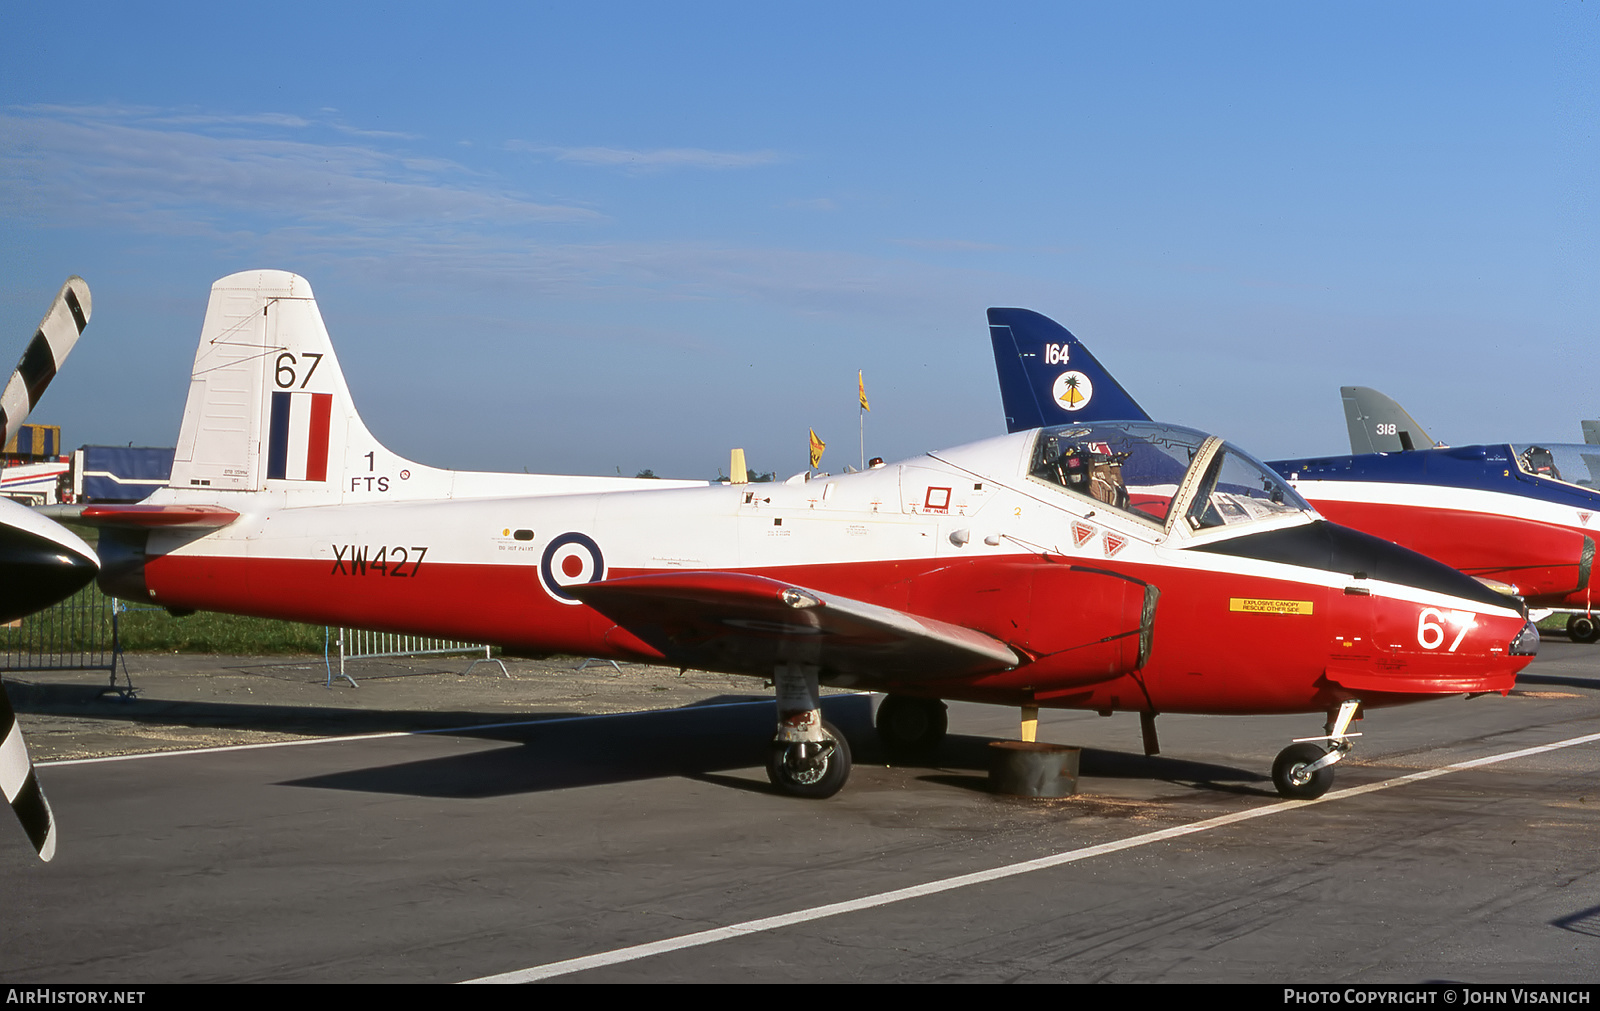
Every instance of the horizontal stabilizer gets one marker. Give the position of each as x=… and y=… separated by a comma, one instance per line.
x=148, y=516
x=1047, y=377
x=748, y=623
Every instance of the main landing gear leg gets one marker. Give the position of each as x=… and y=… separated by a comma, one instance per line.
x=1147, y=730
x=808, y=758
x=1304, y=771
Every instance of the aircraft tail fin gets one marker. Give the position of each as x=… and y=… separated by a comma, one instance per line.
x=269, y=409
x=1047, y=376
x=1591, y=432
x=52, y=342
x=1379, y=425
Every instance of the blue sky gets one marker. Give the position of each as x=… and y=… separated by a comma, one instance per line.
x=596, y=237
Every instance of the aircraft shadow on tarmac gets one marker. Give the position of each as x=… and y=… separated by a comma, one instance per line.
x=1556, y=679
x=702, y=743
x=555, y=751
x=693, y=742
x=972, y=753
x=1584, y=921
x=93, y=702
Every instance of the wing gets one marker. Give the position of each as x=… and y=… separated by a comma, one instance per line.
x=747, y=624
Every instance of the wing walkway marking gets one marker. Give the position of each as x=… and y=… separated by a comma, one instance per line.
x=704, y=937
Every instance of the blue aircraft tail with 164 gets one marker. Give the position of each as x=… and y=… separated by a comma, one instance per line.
x=1048, y=378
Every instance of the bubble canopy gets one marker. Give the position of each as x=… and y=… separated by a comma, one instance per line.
x=1570, y=464
x=1166, y=475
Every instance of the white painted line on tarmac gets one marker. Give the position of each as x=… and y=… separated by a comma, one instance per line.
x=302, y=742
x=704, y=937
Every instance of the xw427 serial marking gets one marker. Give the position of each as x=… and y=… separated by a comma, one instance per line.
x=367, y=560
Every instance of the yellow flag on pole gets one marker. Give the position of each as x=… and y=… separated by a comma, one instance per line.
x=817, y=446
x=861, y=387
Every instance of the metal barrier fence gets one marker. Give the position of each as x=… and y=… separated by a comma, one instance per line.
x=80, y=633
x=84, y=633
x=359, y=644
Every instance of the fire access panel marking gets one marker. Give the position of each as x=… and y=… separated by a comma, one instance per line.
x=1255, y=606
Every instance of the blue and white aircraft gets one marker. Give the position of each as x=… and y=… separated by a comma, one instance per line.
x=1520, y=517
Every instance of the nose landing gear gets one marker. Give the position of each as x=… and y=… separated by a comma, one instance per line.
x=1303, y=770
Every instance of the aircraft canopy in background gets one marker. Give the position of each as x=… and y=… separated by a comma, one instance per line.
x=1522, y=518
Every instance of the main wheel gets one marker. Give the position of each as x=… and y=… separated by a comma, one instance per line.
x=810, y=770
x=911, y=726
x=1290, y=777
x=1583, y=628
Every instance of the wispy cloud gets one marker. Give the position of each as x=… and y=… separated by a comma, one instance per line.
x=652, y=160
x=152, y=115
x=289, y=189
x=158, y=168
x=821, y=282
x=949, y=245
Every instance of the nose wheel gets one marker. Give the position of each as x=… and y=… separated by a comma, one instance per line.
x=1300, y=774
x=1304, y=770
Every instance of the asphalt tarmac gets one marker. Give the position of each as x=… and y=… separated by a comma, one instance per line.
x=241, y=821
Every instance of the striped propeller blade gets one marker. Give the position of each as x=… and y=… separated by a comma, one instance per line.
x=21, y=785
x=51, y=343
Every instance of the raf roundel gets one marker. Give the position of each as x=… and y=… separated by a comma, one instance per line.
x=570, y=560
x=1072, y=390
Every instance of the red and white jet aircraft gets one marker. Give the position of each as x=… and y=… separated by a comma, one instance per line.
x=1131, y=566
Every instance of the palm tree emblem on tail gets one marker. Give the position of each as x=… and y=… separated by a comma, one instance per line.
x=1072, y=390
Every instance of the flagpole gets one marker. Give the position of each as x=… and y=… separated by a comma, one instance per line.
x=861, y=414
